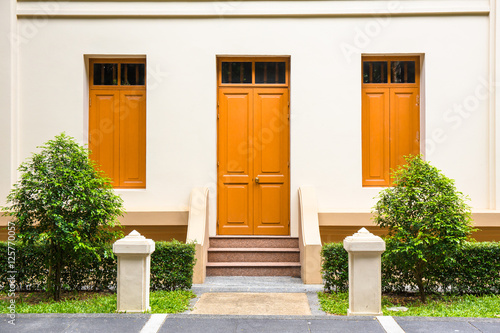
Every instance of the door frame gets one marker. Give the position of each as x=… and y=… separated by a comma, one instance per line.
x=219, y=84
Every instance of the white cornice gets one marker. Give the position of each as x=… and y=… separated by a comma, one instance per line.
x=214, y=9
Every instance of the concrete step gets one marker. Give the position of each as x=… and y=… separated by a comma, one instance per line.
x=254, y=242
x=255, y=284
x=253, y=269
x=252, y=254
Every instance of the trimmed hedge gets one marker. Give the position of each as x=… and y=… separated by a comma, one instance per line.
x=335, y=267
x=172, y=265
x=171, y=268
x=473, y=269
x=476, y=269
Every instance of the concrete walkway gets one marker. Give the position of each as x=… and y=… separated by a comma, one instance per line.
x=145, y=323
x=254, y=321
x=261, y=285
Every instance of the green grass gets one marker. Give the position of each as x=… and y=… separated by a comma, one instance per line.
x=334, y=303
x=170, y=301
x=160, y=301
x=487, y=306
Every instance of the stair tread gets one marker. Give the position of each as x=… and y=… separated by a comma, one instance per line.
x=253, y=264
x=252, y=236
x=254, y=249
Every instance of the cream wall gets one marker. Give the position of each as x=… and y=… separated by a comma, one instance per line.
x=7, y=99
x=325, y=94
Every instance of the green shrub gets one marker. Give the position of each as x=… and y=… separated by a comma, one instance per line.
x=472, y=268
x=84, y=272
x=171, y=268
x=91, y=273
x=31, y=271
x=63, y=202
x=426, y=218
x=335, y=267
x=475, y=269
x=395, y=275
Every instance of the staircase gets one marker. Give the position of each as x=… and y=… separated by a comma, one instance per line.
x=253, y=256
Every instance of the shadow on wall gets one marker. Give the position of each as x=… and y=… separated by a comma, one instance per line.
x=331, y=234
x=160, y=233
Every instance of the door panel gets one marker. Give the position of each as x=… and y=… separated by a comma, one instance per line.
x=271, y=135
x=405, y=120
x=234, y=208
x=235, y=180
x=104, y=137
x=132, y=139
x=253, y=150
x=237, y=110
x=375, y=139
x=237, y=204
x=269, y=106
x=270, y=204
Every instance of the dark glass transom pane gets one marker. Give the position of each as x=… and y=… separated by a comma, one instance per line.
x=270, y=72
x=402, y=71
x=132, y=74
x=375, y=72
x=236, y=72
x=106, y=74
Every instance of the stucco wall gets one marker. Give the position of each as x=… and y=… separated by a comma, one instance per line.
x=325, y=96
x=7, y=66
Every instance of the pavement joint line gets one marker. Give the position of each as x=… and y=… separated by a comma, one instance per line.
x=389, y=324
x=154, y=323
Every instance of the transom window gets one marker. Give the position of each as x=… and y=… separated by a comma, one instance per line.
x=257, y=72
x=375, y=72
x=127, y=72
x=236, y=72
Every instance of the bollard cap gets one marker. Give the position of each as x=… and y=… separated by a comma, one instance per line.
x=134, y=243
x=364, y=241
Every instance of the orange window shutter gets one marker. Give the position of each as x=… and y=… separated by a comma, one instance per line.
x=132, y=156
x=103, y=131
x=405, y=124
x=375, y=137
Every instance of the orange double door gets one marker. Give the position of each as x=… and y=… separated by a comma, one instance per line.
x=253, y=161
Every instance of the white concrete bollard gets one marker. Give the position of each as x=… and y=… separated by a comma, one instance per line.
x=365, y=273
x=134, y=257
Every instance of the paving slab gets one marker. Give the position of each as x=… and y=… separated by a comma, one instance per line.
x=234, y=324
x=441, y=325
x=55, y=323
x=270, y=324
x=193, y=324
x=253, y=304
x=367, y=324
x=41, y=324
x=486, y=326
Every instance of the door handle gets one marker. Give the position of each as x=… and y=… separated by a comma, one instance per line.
x=257, y=180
